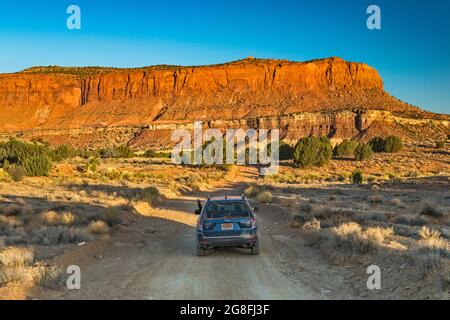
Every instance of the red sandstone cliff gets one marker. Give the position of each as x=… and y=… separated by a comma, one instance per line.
x=92, y=97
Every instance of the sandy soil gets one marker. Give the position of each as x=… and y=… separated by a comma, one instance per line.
x=152, y=257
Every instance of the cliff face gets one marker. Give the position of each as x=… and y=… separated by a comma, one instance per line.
x=63, y=98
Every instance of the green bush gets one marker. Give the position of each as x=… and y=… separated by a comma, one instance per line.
x=392, y=144
x=312, y=151
x=154, y=154
x=6, y=164
x=440, y=144
x=16, y=151
x=357, y=176
x=116, y=152
x=16, y=172
x=377, y=144
x=37, y=166
x=286, y=151
x=62, y=152
x=91, y=165
x=363, y=152
x=345, y=148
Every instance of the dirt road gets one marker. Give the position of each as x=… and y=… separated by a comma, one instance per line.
x=152, y=257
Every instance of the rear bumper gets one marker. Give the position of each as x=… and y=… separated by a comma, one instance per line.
x=245, y=240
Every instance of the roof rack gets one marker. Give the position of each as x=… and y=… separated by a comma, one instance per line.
x=209, y=197
x=243, y=196
x=226, y=197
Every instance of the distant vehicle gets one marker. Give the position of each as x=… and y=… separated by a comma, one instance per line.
x=226, y=222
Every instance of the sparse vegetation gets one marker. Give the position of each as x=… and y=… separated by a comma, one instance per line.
x=345, y=149
x=16, y=172
x=357, y=176
x=264, y=197
x=363, y=152
x=98, y=227
x=392, y=144
x=312, y=151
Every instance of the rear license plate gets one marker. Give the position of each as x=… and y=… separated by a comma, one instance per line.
x=227, y=226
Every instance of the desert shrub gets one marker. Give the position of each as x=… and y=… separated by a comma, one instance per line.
x=16, y=151
x=117, y=152
x=312, y=151
x=37, y=166
x=62, y=152
x=352, y=236
x=357, y=176
x=409, y=219
x=312, y=224
x=377, y=144
x=264, y=197
x=91, y=165
x=154, y=154
x=375, y=198
x=431, y=210
x=252, y=190
x=111, y=216
x=363, y=152
x=5, y=164
x=286, y=151
x=98, y=227
x=396, y=202
x=12, y=210
x=440, y=144
x=15, y=256
x=16, y=172
x=426, y=233
x=57, y=235
x=371, y=216
x=49, y=218
x=149, y=194
x=392, y=144
x=345, y=148
x=50, y=277
x=430, y=253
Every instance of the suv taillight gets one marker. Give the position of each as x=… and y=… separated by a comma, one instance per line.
x=208, y=225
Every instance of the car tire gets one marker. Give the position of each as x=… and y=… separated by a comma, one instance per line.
x=200, y=252
x=255, y=249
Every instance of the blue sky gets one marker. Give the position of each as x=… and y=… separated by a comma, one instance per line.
x=411, y=51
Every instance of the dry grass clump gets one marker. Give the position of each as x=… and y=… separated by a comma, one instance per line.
x=396, y=202
x=431, y=253
x=98, y=227
x=312, y=224
x=52, y=218
x=252, y=190
x=150, y=194
x=58, y=235
x=15, y=256
x=432, y=210
x=371, y=216
x=426, y=233
x=410, y=219
x=375, y=198
x=17, y=264
x=264, y=197
x=21, y=208
x=352, y=236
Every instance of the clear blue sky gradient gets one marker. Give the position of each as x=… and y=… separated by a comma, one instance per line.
x=411, y=52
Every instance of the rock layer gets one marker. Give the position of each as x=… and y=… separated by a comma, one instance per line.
x=70, y=98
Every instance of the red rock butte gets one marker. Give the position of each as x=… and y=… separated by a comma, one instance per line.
x=328, y=96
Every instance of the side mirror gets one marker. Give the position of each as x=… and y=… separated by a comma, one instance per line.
x=255, y=209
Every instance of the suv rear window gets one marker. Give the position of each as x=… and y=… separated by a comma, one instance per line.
x=226, y=209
